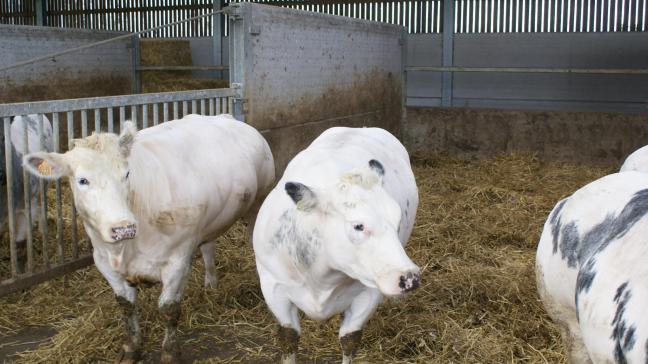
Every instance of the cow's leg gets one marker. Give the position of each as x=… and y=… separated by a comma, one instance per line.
x=361, y=308
x=125, y=295
x=21, y=240
x=208, y=250
x=286, y=314
x=174, y=280
x=129, y=353
x=574, y=345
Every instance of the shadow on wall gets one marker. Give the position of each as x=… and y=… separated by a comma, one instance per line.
x=590, y=137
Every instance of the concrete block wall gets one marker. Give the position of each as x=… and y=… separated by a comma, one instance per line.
x=99, y=71
x=306, y=72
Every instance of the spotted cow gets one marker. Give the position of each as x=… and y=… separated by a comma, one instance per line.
x=330, y=236
x=591, y=270
x=148, y=199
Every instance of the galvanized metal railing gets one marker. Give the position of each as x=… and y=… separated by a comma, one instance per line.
x=102, y=113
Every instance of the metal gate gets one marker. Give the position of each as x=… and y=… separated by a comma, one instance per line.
x=56, y=248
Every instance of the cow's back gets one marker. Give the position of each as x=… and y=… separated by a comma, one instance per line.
x=199, y=171
x=636, y=161
x=339, y=150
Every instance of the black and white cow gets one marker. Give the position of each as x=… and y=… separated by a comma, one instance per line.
x=591, y=270
x=17, y=148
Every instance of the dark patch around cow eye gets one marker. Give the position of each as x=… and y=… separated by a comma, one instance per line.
x=83, y=181
x=127, y=174
x=358, y=227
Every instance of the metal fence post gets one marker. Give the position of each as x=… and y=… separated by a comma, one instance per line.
x=136, y=84
x=237, y=61
x=217, y=37
x=39, y=6
x=448, y=50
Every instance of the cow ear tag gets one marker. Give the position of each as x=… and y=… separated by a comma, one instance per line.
x=45, y=168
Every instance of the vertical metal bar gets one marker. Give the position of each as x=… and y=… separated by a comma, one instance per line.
x=165, y=112
x=134, y=115
x=27, y=202
x=84, y=123
x=448, y=48
x=185, y=107
x=59, y=204
x=43, y=197
x=10, y=197
x=144, y=116
x=211, y=106
x=75, y=244
x=203, y=110
x=135, y=62
x=194, y=107
x=219, y=102
x=122, y=117
x=156, y=115
x=97, y=120
x=217, y=38
x=111, y=121
x=175, y=110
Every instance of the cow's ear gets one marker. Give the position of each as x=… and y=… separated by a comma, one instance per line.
x=46, y=165
x=126, y=138
x=302, y=195
x=378, y=168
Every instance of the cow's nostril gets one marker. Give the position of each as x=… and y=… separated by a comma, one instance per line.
x=409, y=282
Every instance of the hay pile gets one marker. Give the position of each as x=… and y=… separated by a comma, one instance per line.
x=477, y=228
x=167, y=52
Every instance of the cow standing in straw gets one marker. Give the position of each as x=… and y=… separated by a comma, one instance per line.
x=329, y=238
x=149, y=199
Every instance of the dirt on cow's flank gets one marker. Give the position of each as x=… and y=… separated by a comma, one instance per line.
x=477, y=227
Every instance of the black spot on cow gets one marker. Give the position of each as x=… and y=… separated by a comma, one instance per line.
x=579, y=250
x=301, y=195
x=302, y=245
x=569, y=243
x=377, y=167
x=585, y=277
x=622, y=333
x=556, y=223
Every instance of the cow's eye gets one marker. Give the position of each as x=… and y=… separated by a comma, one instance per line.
x=127, y=174
x=358, y=227
x=83, y=181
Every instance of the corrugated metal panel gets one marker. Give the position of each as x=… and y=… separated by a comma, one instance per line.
x=418, y=16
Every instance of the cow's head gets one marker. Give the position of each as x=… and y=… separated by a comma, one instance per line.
x=358, y=221
x=97, y=168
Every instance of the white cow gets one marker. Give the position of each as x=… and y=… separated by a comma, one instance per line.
x=18, y=147
x=149, y=199
x=591, y=270
x=636, y=161
x=329, y=237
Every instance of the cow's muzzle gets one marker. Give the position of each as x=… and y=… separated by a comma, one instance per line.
x=409, y=282
x=126, y=231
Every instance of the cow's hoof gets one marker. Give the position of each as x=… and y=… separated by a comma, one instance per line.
x=127, y=357
x=170, y=358
x=211, y=281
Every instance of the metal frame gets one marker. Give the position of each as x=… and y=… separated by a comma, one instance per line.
x=99, y=110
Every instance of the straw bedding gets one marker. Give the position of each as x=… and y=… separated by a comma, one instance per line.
x=477, y=227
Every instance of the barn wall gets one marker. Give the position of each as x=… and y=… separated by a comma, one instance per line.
x=202, y=55
x=306, y=72
x=99, y=71
x=590, y=137
x=567, y=92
